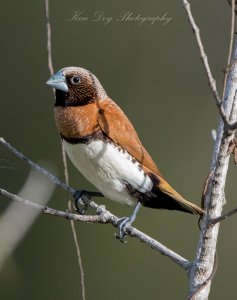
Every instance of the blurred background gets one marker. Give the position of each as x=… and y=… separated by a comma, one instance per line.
x=153, y=71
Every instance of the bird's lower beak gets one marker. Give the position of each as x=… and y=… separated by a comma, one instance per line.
x=58, y=81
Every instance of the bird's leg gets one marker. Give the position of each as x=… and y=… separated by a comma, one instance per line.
x=126, y=222
x=81, y=199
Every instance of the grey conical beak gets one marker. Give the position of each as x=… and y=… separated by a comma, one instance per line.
x=58, y=81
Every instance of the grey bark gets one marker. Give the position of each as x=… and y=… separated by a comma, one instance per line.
x=201, y=271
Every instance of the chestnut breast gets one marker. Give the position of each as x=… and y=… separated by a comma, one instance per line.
x=77, y=121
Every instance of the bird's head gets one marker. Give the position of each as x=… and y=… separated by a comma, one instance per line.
x=76, y=86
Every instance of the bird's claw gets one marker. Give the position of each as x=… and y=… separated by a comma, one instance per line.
x=121, y=235
x=81, y=199
x=125, y=222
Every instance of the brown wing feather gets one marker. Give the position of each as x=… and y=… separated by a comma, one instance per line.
x=165, y=188
x=114, y=123
x=119, y=129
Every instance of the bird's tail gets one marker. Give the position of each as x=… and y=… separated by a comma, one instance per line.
x=183, y=203
x=168, y=198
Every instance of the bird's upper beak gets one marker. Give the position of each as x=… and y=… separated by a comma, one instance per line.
x=58, y=81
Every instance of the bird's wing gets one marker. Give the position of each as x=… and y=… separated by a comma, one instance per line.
x=114, y=123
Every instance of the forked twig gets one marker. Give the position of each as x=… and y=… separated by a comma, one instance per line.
x=211, y=80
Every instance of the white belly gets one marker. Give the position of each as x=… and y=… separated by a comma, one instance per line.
x=107, y=168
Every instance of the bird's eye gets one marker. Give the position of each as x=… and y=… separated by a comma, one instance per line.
x=75, y=80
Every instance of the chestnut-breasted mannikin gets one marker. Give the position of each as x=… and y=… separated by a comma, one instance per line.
x=103, y=145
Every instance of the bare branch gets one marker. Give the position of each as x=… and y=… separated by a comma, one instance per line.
x=104, y=215
x=42, y=171
x=202, y=269
x=72, y=223
x=233, y=3
x=78, y=251
x=232, y=32
x=211, y=80
x=50, y=211
x=224, y=216
x=204, y=263
x=49, y=44
x=233, y=126
x=75, y=237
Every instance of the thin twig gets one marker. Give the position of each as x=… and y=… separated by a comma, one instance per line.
x=50, y=211
x=233, y=126
x=201, y=270
x=235, y=3
x=211, y=80
x=51, y=71
x=75, y=236
x=104, y=216
x=39, y=169
x=224, y=216
x=49, y=44
x=44, y=172
x=232, y=33
x=78, y=251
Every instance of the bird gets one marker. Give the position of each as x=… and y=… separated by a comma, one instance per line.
x=103, y=145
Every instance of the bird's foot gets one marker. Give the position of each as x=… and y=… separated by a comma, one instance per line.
x=121, y=235
x=125, y=222
x=81, y=199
